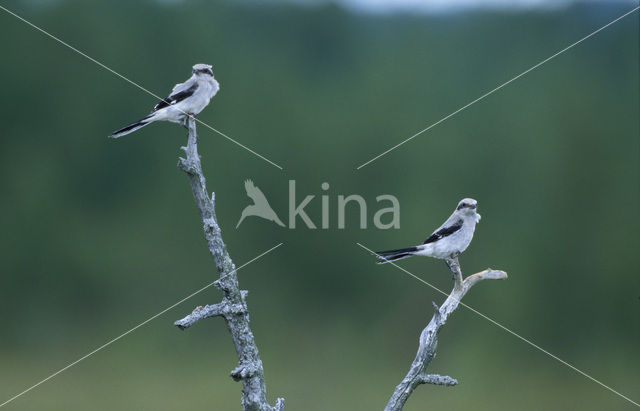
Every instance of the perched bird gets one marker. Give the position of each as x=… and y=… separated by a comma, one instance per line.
x=260, y=206
x=448, y=241
x=186, y=99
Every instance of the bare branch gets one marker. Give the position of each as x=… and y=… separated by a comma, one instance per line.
x=207, y=311
x=429, y=336
x=233, y=307
x=436, y=379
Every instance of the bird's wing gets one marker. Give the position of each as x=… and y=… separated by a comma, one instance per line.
x=181, y=86
x=254, y=193
x=179, y=93
x=444, y=231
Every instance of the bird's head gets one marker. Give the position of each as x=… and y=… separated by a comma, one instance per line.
x=203, y=70
x=467, y=207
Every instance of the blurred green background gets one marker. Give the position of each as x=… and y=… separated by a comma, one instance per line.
x=99, y=235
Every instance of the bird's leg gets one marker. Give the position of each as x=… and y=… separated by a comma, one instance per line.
x=185, y=122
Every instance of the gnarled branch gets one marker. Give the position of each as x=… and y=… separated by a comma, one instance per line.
x=233, y=307
x=429, y=336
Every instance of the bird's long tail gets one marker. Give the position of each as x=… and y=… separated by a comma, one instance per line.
x=132, y=127
x=392, y=255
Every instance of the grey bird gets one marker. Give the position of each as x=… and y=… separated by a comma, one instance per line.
x=448, y=241
x=186, y=99
x=260, y=206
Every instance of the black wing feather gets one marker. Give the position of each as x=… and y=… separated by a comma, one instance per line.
x=444, y=232
x=176, y=98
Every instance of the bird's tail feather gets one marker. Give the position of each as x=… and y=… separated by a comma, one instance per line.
x=392, y=255
x=131, y=127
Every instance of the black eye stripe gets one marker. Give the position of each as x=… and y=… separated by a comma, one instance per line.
x=465, y=205
x=204, y=71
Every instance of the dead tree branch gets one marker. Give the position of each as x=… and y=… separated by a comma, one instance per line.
x=233, y=307
x=429, y=336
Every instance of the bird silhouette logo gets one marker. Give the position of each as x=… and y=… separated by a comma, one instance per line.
x=260, y=206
